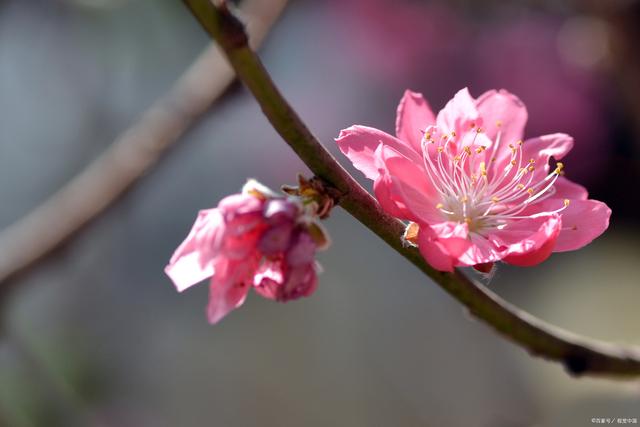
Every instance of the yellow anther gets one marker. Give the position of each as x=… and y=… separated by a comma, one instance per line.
x=464, y=199
x=520, y=143
x=531, y=168
x=494, y=199
x=513, y=162
x=427, y=136
x=520, y=186
x=439, y=206
x=467, y=150
x=532, y=161
x=456, y=158
x=467, y=220
x=483, y=169
x=480, y=149
x=479, y=130
x=566, y=202
x=498, y=123
x=453, y=133
x=493, y=159
x=559, y=168
x=440, y=149
x=530, y=191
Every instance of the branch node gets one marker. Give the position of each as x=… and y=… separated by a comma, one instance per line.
x=576, y=364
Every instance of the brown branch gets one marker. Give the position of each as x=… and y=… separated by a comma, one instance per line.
x=132, y=155
x=579, y=355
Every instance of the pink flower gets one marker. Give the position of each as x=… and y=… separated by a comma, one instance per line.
x=476, y=191
x=253, y=239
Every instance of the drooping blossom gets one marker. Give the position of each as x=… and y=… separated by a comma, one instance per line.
x=474, y=191
x=253, y=239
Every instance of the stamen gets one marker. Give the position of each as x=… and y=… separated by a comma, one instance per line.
x=483, y=169
x=482, y=197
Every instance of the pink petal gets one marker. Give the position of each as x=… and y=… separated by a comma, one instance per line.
x=276, y=239
x=413, y=116
x=359, y=144
x=545, y=146
x=269, y=279
x=243, y=209
x=566, y=189
x=280, y=210
x=409, y=187
x=453, y=236
x=458, y=114
x=280, y=281
x=481, y=251
x=540, y=149
x=192, y=261
x=389, y=200
x=506, y=109
x=302, y=250
x=302, y=282
x=582, y=221
x=229, y=287
x=536, y=246
x=434, y=252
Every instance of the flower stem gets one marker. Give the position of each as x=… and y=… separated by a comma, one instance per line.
x=579, y=355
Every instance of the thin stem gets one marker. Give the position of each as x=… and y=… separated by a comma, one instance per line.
x=578, y=354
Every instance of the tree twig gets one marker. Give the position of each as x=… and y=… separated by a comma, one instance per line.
x=578, y=354
x=130, y=156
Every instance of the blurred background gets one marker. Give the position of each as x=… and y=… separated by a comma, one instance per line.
x=96, y=334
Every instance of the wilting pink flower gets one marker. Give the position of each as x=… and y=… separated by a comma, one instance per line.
x=476, y=191
x=253, y=239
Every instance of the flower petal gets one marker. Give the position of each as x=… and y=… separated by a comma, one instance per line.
x=480, y=251
x=527, y=248
x=192, y=261
x=566, y=189
x=229, y=287
x=539, y=149
x=582, y=221
x=502, y=112
x=408, y=187
x=458, y=114
x=359, y=144
x=389, y=199
x=434, y=252
x=453, y=236
x=542, y=148
x=413, y=116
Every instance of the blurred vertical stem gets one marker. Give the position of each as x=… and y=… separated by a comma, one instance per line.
x=578, y=354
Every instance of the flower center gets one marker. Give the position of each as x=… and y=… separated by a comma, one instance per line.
x=480, y=182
